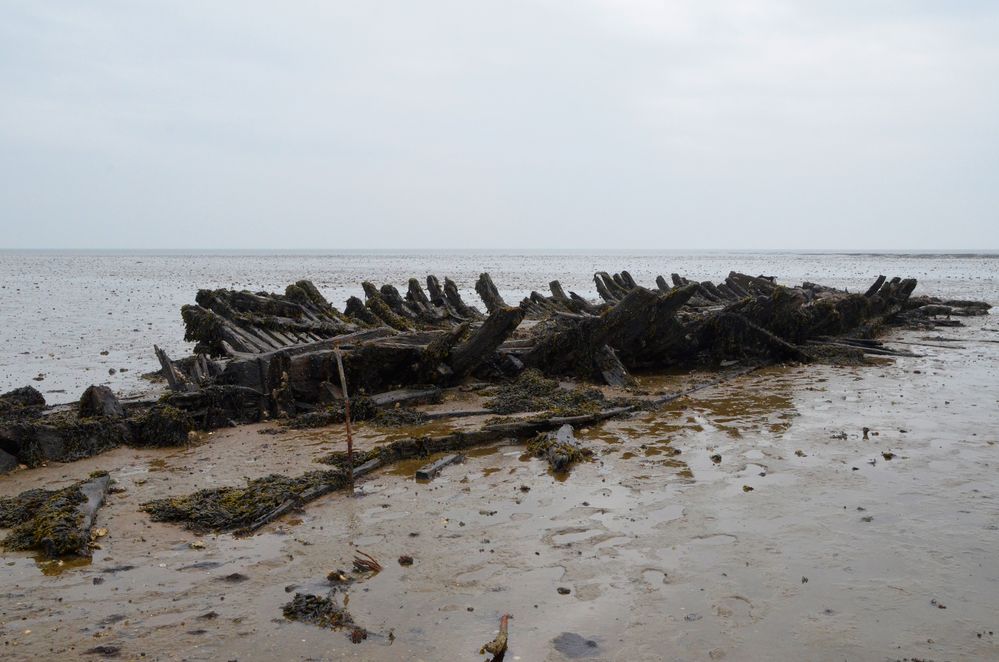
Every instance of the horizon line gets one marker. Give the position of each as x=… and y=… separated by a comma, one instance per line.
x=983, y=251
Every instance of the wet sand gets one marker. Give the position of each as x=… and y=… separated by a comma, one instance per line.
x=836, y=552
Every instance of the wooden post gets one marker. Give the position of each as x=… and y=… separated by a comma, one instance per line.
x=346, y=416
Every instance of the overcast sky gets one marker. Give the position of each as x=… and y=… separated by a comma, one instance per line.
x=535, y=124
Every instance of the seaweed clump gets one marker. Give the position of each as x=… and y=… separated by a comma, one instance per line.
x=51, y=521
x=24, y=400
x=231, y=508
x=532, y=391
x=560, y=449
x=317, y=610
x=162, y=425
x=360, y=409
x=17, y=509
x=339, y=458
x=64, y=437
x=398, y=417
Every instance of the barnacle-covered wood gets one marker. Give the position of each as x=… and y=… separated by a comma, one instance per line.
x=54, y=522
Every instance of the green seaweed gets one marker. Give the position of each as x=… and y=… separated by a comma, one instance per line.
x=64, y=437
x=532, y=391
x=162, y=425
x=360, y=409
x=339, y=458
x=560, y=453
x=17, y=509
x=21, y=402
x=398, y=417
x=46, y=520
x=231, y=508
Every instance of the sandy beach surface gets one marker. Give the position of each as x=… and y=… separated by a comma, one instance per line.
x=653, y=551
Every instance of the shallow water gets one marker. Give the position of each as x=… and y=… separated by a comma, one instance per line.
x=63, y=310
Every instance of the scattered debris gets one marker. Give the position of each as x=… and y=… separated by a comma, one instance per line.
x=405, y=559
x=366, y=563
x=560, y=448
x=338, y=577
x=325, y=612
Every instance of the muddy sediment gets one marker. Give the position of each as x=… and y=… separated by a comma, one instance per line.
x=836, y=550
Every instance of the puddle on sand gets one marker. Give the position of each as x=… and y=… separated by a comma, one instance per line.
x=54, y=567
x=408, y=468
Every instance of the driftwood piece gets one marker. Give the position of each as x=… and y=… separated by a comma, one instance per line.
x=292, y=504
x=560, y=449
x=56, y=523
x=94, y=491
x=407, y=396
x=173, y=376
x=430, y=471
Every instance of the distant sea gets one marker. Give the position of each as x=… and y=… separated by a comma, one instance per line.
x=71, y=317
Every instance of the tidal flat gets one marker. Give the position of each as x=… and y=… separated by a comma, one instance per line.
x=653, y=550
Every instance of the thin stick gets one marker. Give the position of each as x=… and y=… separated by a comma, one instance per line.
x=346, y=416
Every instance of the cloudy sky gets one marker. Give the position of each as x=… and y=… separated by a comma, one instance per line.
x=521, y=123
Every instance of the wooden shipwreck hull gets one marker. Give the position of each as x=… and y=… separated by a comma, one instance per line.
x=262, y=355
x=282, y=345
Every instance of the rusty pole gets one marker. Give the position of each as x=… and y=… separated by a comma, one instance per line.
x=346, y=416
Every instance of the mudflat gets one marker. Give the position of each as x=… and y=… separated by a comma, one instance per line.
x=750, y=520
